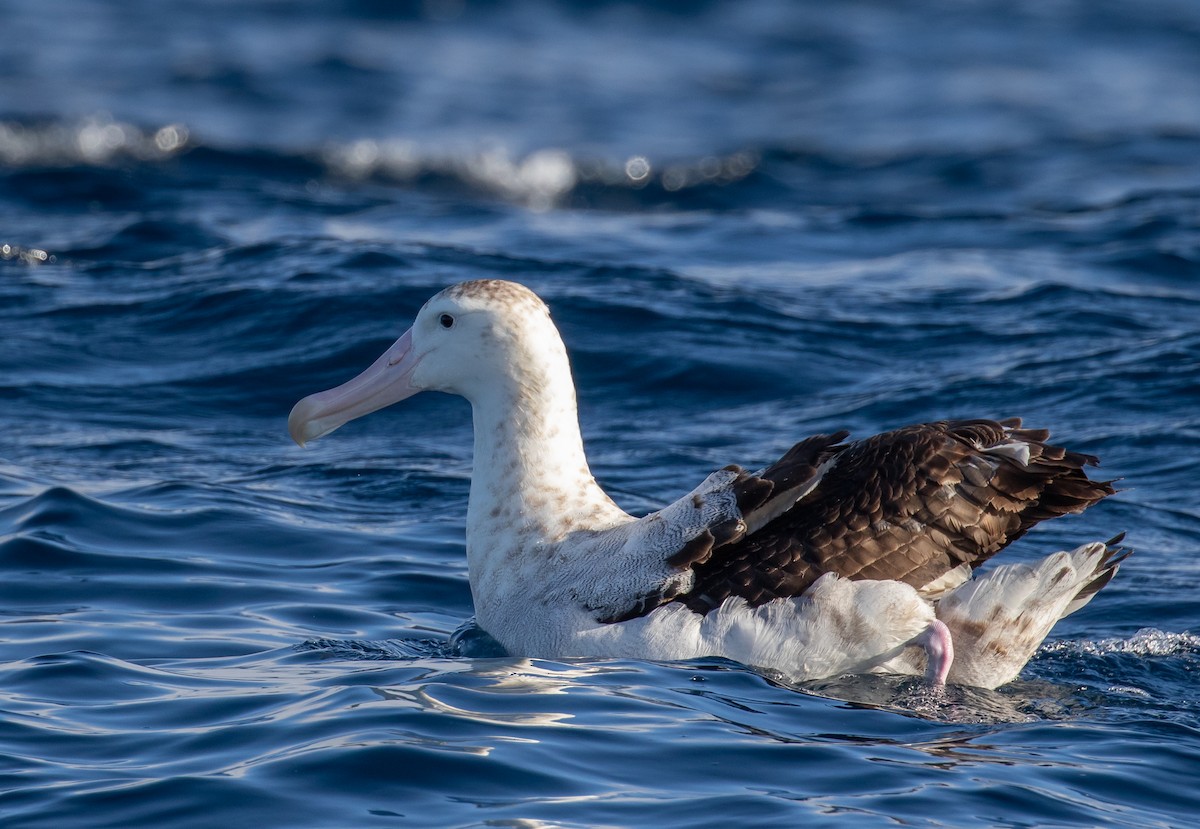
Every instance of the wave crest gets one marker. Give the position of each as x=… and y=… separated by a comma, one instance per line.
x=1146, y=642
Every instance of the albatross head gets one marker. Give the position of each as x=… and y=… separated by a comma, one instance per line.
x=473, y=339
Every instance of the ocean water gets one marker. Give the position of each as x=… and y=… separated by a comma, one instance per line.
x=753, y=221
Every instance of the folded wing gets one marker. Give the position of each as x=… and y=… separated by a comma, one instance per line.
x=923, y=505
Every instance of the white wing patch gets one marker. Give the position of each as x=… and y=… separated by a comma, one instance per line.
x=777, y=505
x=1018, y=450
x=637, y=566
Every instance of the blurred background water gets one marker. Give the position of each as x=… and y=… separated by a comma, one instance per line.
x=753, y=221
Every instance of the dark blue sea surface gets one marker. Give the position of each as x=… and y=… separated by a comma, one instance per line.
x=752, y=220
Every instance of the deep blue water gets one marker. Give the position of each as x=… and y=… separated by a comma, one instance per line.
x=753, y=221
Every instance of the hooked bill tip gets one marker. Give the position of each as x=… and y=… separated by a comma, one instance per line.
x=301, y=422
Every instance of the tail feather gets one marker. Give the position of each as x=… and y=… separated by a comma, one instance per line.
x=1000, y=619
x=1104, y=572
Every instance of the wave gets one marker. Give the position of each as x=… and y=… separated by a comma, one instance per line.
x=97, y=140
x=357, y=650
x=540, y=179
x=861, y=186
x=29, y=256
x=1147, y=642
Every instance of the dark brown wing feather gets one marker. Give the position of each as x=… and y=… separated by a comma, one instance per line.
x=909, y=505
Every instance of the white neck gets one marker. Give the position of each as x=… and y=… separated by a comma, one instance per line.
x=531, y=486
x=531, y=483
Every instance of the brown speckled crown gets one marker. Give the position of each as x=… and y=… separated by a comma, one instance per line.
x=500, y=292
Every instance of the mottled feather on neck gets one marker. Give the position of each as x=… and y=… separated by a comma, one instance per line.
x=531, y=483
x=531, y=476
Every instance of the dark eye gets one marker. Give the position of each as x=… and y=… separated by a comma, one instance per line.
x=446, y=320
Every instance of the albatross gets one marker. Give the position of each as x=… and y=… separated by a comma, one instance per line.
x=842, y=557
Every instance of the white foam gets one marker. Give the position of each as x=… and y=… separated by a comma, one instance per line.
x=1146, y=642
x=96, y=140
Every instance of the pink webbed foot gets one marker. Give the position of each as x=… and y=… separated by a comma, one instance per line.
x=939, y=652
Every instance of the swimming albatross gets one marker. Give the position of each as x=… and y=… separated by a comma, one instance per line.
x=839, y=558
